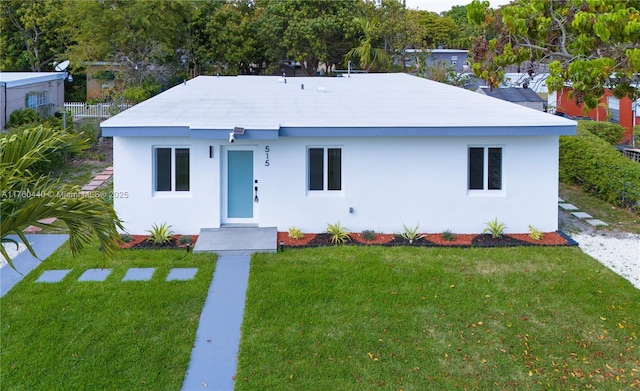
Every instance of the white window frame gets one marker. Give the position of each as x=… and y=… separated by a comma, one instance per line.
x=325, y=174
x=154, y=168
x=613, y=104
x=485, y=191
x=39, y=99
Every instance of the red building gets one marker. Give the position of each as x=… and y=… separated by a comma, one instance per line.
x=621, y=111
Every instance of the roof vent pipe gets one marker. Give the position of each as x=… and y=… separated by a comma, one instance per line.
x=349, y=69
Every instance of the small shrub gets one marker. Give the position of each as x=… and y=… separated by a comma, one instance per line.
x=339, y=234
x=22, y=117
x=126, y=238
x=160, y=234
x=495, y=228
x=534, y=233
x=448, y=236
x=368, y=235
x=411, y=234
x=185, y=240
x=295, y=233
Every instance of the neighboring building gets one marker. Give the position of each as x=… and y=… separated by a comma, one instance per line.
x=620, y=111
x=41, y=91
x=101, y=79
x=371, y=151
x=454, y=57
x=521, y=96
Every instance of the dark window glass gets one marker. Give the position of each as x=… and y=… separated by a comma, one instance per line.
x=476, y=168
x=316, y=168
x=182, y=169
x=163, y=169
x=495, y=169
x=335, y=169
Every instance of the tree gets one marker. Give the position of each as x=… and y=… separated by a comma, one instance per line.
x=309, y=31
x=28, y=197
x=147, y=39
x=32, y=34
x=591, y=45
x=368, y=56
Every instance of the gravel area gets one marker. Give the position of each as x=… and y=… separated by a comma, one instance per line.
x=619, y=251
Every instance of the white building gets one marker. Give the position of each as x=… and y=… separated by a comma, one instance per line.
x=371, y=151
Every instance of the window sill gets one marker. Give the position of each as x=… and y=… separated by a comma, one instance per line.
x=171, y=194
x=486, y=193
x=325, y=193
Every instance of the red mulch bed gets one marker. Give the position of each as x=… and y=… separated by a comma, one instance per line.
x=431, y=240
x=140, y=241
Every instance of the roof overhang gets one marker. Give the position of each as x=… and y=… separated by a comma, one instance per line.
x=272, y=134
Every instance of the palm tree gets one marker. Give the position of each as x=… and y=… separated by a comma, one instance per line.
x=370, y=57
x=28, y=197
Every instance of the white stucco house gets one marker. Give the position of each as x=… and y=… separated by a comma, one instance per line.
x=371, y=151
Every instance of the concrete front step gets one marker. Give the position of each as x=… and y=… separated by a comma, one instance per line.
x=240, y=240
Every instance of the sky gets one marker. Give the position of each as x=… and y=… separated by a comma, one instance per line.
x=438, y=6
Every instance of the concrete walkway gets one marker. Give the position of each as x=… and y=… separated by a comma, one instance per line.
x=43, y=245
x=214, y=355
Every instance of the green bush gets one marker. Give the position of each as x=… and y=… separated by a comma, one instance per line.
x=22, y=117
x=589, y=161
x=636, y=135
x=611, y=133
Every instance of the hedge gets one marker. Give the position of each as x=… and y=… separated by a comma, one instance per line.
x=601, y=170
x=610, y=132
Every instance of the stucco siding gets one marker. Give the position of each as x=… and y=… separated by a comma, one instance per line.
x=387, y=181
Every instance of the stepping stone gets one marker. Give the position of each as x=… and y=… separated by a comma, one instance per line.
x=182, y=274
x=560, y=200
x=49, y=220
x=139, y=274
x=53, y=275
x=32, y=229
x=95, y=275
x=95, y=183
x=597, y=223
x=102, y=177
x=88, y=187
x=582, y=215
x=568, y=207
x=109, y=169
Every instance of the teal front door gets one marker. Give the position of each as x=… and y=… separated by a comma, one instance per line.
x=240, y=186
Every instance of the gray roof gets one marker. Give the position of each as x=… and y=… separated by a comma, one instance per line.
x=513, y=94
x=362, y=104
x=16, y=79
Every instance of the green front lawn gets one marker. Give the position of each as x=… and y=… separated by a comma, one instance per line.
x=355, y=318
x=110, y=335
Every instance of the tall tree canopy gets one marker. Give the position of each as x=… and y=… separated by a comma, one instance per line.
x=591, y=44
x=32, y=34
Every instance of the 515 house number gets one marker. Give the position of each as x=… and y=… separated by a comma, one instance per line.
x=266, y=152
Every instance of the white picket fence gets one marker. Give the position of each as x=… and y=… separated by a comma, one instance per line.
x=100, y=110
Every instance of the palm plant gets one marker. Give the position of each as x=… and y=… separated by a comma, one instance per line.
x=369, y=56
x=28, y=197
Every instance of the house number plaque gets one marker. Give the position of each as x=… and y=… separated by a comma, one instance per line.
x=266, y=152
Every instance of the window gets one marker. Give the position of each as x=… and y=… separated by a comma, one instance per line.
x=614, y=109
x=485, y=168
x=325, y=169
x=38, y=101
x=171, y=169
